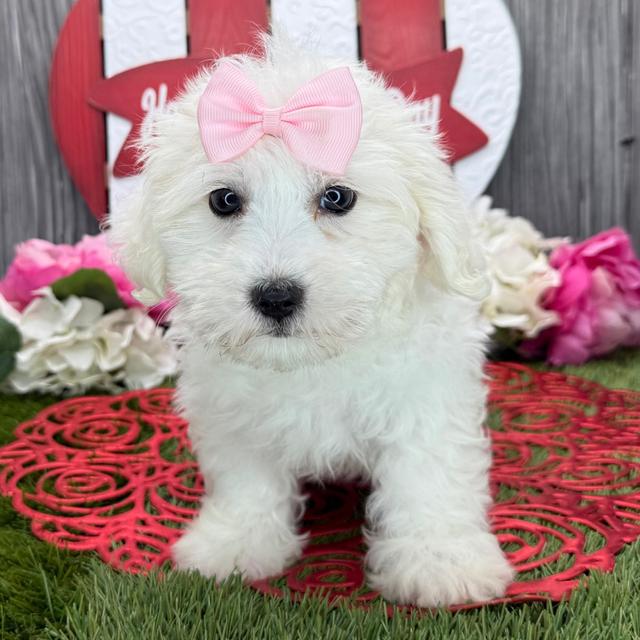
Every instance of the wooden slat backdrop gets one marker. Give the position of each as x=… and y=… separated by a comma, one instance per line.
x=573, y=166
x=37, y=198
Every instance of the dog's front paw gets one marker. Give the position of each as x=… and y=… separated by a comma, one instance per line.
x=429, y=573
x=217, y=545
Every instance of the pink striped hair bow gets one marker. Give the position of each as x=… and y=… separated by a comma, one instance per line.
x=320, y=124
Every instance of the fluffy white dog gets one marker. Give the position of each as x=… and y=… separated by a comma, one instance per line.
x=330, y=328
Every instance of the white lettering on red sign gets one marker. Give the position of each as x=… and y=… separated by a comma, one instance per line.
x=153, y=100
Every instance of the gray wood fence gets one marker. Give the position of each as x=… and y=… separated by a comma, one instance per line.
x=573, y=166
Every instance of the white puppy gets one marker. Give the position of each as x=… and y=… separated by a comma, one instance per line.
x=330, y=328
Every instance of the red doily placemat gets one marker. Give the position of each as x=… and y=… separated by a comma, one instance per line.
x=115, y=475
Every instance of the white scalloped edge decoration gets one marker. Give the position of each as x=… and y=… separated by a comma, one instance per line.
x=489, y=85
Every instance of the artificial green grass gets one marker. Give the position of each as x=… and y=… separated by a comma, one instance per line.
x=619, y=371
x=48, y=593
x=37, y=580
x=188, y=607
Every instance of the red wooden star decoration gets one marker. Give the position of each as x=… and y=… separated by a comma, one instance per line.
x=127, y=94
x=437, y=77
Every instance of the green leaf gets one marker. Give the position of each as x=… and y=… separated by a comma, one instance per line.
x=89, y=283
x=10, y=343
x=10, y=338
x=7, y=364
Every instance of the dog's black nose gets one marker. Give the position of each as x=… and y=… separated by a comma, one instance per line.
x=277, y=299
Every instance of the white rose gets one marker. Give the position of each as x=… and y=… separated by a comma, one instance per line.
x=71, y=346
x=519, y=269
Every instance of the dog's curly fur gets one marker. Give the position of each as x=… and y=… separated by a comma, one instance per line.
x=381, y=374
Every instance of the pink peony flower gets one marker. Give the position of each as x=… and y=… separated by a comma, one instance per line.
x=161, y=312
x=39, y=263
x=598, y=300
x=95, y=253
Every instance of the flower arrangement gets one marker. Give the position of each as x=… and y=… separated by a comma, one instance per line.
x=555, y=300
x=69, y=323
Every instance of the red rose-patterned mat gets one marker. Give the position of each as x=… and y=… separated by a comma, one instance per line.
x=115, y=475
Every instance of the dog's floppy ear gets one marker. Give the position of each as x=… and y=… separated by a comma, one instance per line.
x=454, y=259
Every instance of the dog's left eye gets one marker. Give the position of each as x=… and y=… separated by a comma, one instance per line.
x=338, y=200
x=224, y=202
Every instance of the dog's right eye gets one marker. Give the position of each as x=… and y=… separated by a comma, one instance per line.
x=338, y=200
x=224, y=202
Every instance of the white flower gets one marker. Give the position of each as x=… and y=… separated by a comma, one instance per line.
x=519, y=269
x=71, y=346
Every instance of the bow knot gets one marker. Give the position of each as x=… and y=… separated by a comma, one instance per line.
x=272, y=122
x=320, y=124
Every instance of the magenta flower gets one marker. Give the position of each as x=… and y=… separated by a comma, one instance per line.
x=598, y=300
x=39, y=263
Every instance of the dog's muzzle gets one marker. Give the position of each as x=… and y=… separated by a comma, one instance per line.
x=277, y=300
